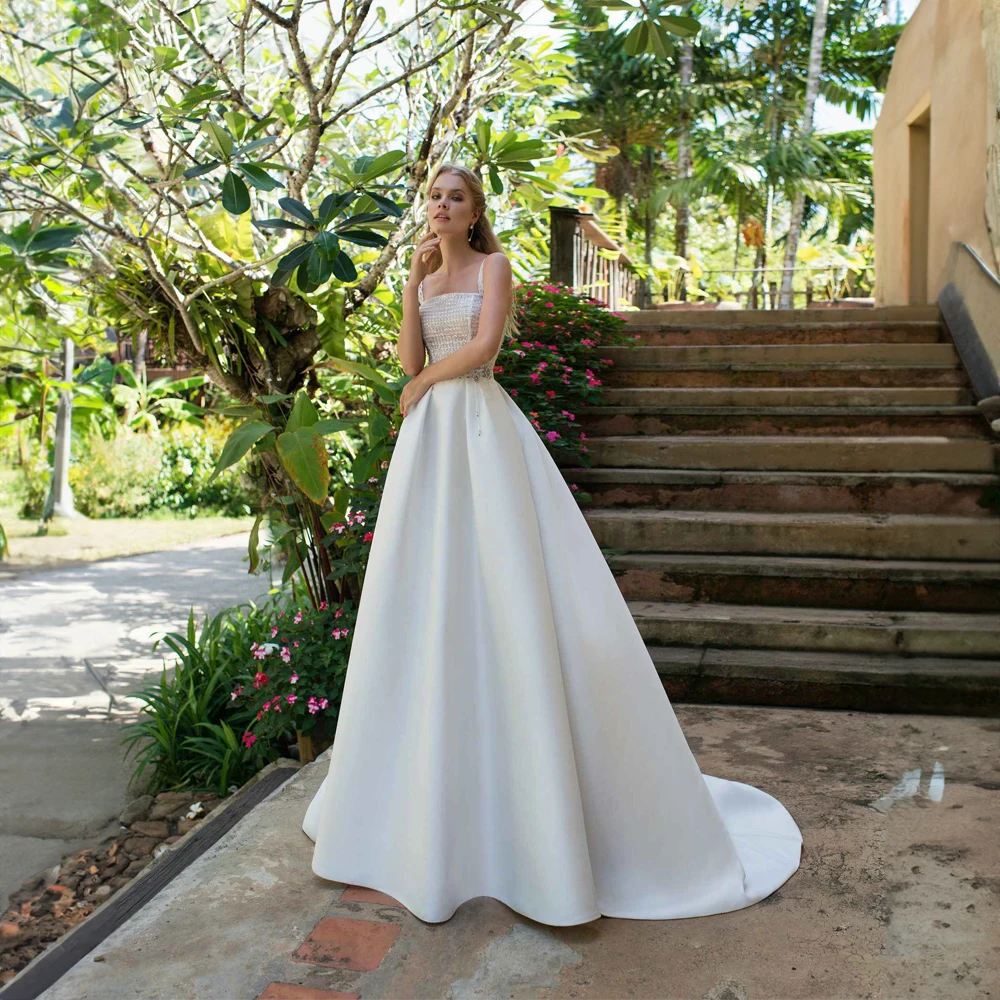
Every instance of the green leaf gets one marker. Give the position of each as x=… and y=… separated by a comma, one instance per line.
x=635, y=40
x=203, y=168
x=327, y=246
x=164, y=56
x=304, y=413
x=332, y=426
x=219, y=139
x=318, y=272
x=235, y=196
x=239, y=443
x=54, y=238
x=483, y=130
x=264, y=140
x=380, y=165
x=237, y=123
x=258, y=177
x=364, y=237
x=295, y=257
x=254, y=542
x=679, y=25
x=495, y=181
x=386, y=204
x=363, y=371
x=344, y=269
x=233, y=236
x=295, y=207
x=304, y=456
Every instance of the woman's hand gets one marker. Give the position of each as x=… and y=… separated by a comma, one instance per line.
x=423, y=254
x=412, y=393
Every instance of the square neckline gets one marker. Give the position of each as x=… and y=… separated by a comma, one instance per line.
x=441, y=295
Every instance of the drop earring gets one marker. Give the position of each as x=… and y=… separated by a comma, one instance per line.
x=473, y=226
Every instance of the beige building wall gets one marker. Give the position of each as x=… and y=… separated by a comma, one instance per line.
x=930, y=151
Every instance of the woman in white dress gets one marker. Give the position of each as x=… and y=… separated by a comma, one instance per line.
x=503, y=731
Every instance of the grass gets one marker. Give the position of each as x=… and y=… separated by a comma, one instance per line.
x=74, y=540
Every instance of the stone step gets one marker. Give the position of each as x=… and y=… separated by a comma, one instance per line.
x=868, y=536
x=909, y=421
x=866, y=682
x=957, y=493
x=808, y=355
x=913, y=332
x=814, y=630
x=783, y=318
x=809, y=581
x=840, y=453
x=761, y=375
x=756, y=396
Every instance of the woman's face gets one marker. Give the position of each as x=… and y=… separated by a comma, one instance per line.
x=450, y=208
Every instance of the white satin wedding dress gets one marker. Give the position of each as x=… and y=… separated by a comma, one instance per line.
x=503, y=731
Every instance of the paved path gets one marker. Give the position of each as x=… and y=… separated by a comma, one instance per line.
x=62, y=777
x=897, y=896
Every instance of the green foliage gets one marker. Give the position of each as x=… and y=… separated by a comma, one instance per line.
x=116, y=477
x=299, y=667
x=184, y=730
x=185, y=481
x=553, y=367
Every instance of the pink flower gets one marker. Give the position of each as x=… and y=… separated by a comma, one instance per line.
x=259, y=679
x=297, y=618
x=291, y=698
x=322, y=605
x=338, y=612
x=369, y=535
x=285, y=655
x=260, y=715
x=296, y=642
x=267, y=706
x=293, y=678
x=534, y=376
x=550, y=392
x=323, y=703
x=274, y=631
x=513, y=392
x=249, y=739
x=550, y=305
x=552, y=435
x=233, y=695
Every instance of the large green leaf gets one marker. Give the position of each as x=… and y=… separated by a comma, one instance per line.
x=303, y=454
x=219, y=139
x=233, y=236
x=235, y=196
x=239, y=443
x=258, y=177
x=304, y=413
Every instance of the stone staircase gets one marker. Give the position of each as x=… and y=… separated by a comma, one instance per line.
x=802, y=508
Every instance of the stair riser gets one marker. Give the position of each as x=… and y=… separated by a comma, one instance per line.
x=597, y=424
x=967, y=455
x=756, y=376
x=924, y=696
x=666, y=336
x=811, y=637
x=877, y=541
x=807, y=592
x=764, y=398
x=642, y=356
x=931, y=498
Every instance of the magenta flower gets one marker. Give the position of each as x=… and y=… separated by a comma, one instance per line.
x=259, y=679
x=233, y=695
x=249, y=739
x=293, y=678
x=291, y=698
x=286, y=655
x=552, y=435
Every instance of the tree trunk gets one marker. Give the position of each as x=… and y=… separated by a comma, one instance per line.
x=798, y=202
x=60, y=499
x=682, y=225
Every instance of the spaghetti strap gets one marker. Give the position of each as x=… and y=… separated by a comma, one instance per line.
x=481, y=266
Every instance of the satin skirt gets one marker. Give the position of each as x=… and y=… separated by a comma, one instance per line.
x=503, y=730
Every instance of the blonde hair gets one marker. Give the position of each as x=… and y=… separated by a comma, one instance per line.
x=483, y=238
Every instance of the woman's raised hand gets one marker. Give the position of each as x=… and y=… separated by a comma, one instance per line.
x=423, y=253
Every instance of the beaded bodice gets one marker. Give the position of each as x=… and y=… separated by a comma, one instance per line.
x=450, y=321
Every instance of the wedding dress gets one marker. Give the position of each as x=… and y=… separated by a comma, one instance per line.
x=503, y=731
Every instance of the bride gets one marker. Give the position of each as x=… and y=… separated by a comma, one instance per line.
x=503, y=731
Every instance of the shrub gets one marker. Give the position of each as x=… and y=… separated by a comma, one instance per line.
x=204, y=725
x=116, y=477
x=551, y=368
x=190, y=452
x=297, y=679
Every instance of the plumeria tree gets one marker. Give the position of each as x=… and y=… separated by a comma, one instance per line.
x=221, y=173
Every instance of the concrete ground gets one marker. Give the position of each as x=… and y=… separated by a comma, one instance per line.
x=897, y=895
x=63, y=780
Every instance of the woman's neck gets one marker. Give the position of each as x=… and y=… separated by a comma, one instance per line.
x=454, y=255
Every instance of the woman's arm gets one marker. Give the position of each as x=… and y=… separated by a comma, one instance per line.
x=410, y=347
x=497, y=289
